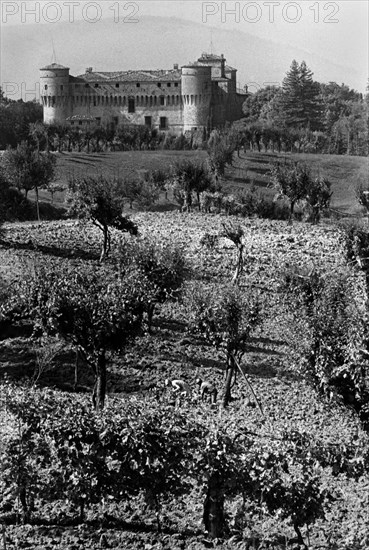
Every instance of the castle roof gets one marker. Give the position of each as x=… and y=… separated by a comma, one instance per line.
x=53, y=66
x=210, y=57
x=132, y=76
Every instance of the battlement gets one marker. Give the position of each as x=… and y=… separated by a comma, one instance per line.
x=201, y=94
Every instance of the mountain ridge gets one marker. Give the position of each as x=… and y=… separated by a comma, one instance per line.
x=154, y=42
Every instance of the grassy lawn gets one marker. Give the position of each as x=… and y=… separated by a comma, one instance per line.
x=251, y=168
x=344, y=172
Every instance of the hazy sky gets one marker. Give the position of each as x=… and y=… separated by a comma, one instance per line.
x=335, y=30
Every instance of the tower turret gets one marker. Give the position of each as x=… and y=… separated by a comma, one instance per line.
x=55, y=97
x=196, y=96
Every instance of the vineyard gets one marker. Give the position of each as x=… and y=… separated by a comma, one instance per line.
x=285, y=464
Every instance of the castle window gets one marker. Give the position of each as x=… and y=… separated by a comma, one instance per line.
x=159, y=84
x=176, y=84
x=117, y=85
x=148, y=121
x=162, y=100
x=163, y=122
x=138, y=85
x=62, y=87
x=168, y=100
x=80, y=123
x=131, y=105
x=72, y=122
x=168, y=84
x=96, y=85
x=155, y=100
x=45, y=86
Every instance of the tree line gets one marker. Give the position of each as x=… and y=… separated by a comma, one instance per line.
x=303, y=115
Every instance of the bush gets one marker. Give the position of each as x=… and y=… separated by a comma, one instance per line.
x=99, y=200
x=330, y=329
x=57, y=449
x=355, y=237
x=163, y=267
x=224, y=317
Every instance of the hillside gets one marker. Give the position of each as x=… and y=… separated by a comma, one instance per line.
x=152, y=43
x=344, y=172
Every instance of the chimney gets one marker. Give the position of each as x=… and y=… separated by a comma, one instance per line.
x=175, y=66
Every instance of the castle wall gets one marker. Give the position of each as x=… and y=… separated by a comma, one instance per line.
x=129, y=104
x=55, y=97
x=196, y=97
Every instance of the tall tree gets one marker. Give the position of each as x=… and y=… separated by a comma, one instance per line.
x=299, y=100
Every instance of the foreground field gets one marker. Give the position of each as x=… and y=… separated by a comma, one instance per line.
x=289, y=404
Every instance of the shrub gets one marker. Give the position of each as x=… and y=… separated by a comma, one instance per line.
x=190, y=178
x=225, y=317
x=93, y=308
x=163, y=267
x=98, y=199
x=57, y=449
x=330, y=318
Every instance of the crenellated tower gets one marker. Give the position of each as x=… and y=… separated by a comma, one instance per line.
x=55, y=94
x=196, y=96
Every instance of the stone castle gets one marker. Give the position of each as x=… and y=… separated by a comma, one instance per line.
x=200, y=95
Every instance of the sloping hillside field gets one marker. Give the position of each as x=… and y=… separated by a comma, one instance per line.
x=289, y=435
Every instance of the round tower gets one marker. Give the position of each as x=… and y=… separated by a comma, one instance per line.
x=196, y=96
x=55, y=98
